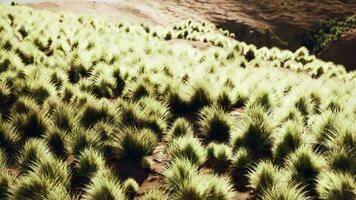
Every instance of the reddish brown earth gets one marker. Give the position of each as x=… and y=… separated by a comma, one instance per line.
x=345, y=48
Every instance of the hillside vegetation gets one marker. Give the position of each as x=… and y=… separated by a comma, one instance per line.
x=88, y=105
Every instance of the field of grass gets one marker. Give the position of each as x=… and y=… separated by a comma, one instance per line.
x=84, y=103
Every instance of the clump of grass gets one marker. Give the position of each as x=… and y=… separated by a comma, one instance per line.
x=53, y=170
x=133, y=144
x=255, y=133
x=284, y=191
x=88, y=163
x=130, y=186
x=215, y=124
x=219, y=188
x=104, y=186
x=179, y=171
x=181, y=127
x=262, y=98
x=81, y=139
x=64, y=118
x=219, y=152
x=326, y=126
x=155, y=194
x=31, y=187
x=263, y=176
x=31, y=124
x=303, y=166
x=187, y=147
x=56, y=141
x=241, y=160
x=24, y=105
x=41, y=91
x=177, y=101
x=6, y=181
x=341, y=148
x=199, y=96
x=9, y=140
x=333, y=185
x=288, y=139
x=93, y=113
x=33, y=151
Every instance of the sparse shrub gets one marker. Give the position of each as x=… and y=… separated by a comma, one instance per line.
x=189, y=148
x=263, y=176
x=133, y=143
x=181, y=127
x=335, y=186
x=215, y=124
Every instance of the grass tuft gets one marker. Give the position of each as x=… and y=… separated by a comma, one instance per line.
x=215, y=124
x=133, y=144
x=336, y=186
x=187, y=147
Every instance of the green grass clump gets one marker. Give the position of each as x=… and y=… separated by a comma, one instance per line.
x=56, y=141
x=104, y=186
x=241, y=160
x=288, y=139
x=93, y=113
x=88, y=163
x=333, y=185
x=81, y=138
x=181, y=127
x=154, y=194
x=255, y=133
x=133, y=144
x=130, y=186
x=9, y=140
x=215, y=124
x=303, y=166
x=187, y=147
x=219, y=188
x=219, y=152
x=263, y=176
x=53, y=170
x=33, y=151
x=6, y=180
x=31, y=124
x=284, y=191
x=64, y=118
